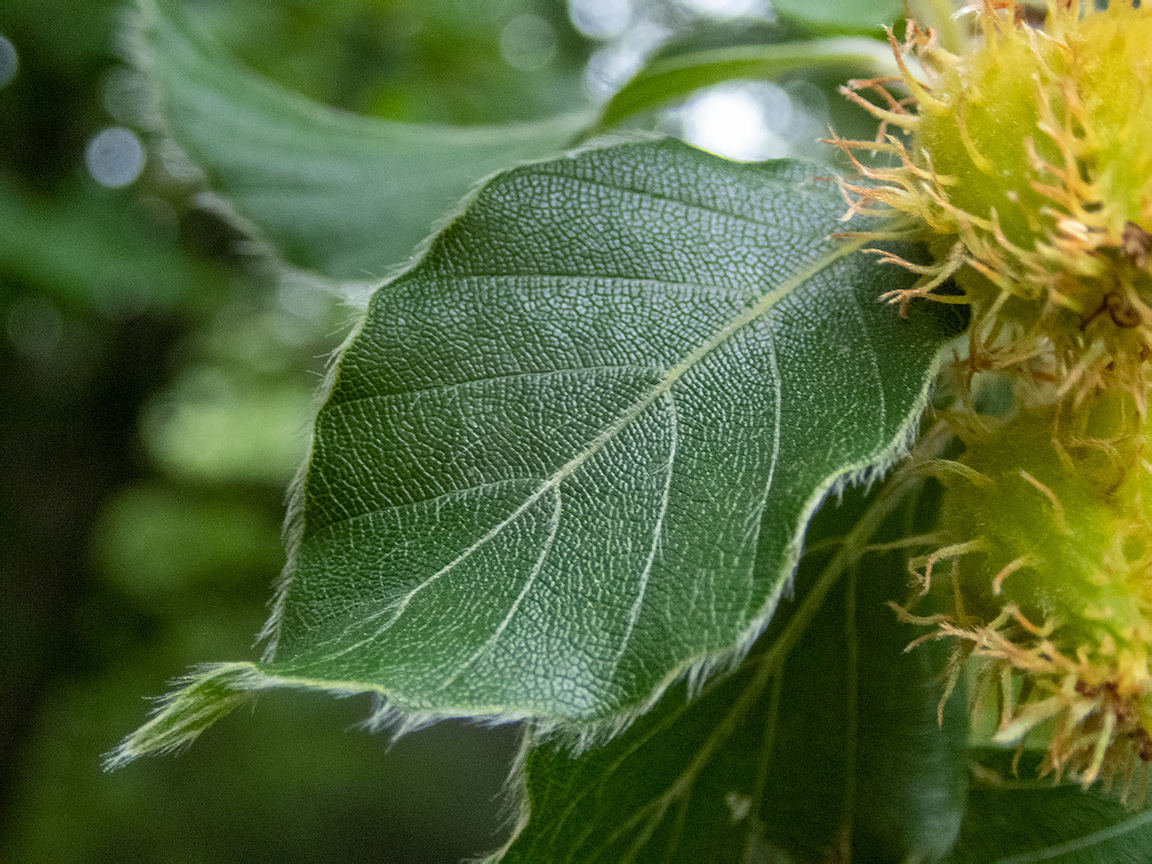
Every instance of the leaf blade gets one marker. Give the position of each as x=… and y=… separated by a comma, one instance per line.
x=637, y=421
x=861, y=15
x=1029, y=821
x=536, y=487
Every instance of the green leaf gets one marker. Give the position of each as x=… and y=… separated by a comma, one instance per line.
x=1027, y=821
x=843, y=14
x=87, y=250
x=342, y=195
x=669, y=78
x=554, y=451
x=824, y=745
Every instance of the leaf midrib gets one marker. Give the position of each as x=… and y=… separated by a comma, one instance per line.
x=756, y=310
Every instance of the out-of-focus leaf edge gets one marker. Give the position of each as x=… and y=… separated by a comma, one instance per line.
x=665, y=80
x=150, y=20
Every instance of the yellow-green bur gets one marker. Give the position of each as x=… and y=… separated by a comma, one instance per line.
x=1059, y=534
x=1117, y=60
x=977, y=135
x=1003, y=127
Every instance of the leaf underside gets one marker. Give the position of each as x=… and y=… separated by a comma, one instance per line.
x=555, y=449
x=537, y=485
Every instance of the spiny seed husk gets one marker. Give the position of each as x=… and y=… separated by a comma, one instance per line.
x=1025, y=164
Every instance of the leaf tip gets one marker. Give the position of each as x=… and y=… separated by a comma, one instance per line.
x=203, y=698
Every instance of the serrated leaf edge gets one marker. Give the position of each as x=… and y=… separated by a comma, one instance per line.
x=174, y=725
x=850, y=550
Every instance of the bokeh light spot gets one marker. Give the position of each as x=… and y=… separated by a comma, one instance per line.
x=528, y=43
x=600, y=19
x=739, y=120
x=728, y=8
x=9, y=61
x=115, y=157
x=609, y=67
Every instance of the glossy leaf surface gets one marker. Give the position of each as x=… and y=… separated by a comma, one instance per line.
x=571, y=455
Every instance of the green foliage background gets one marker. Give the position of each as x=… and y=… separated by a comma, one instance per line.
x=156, y=382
